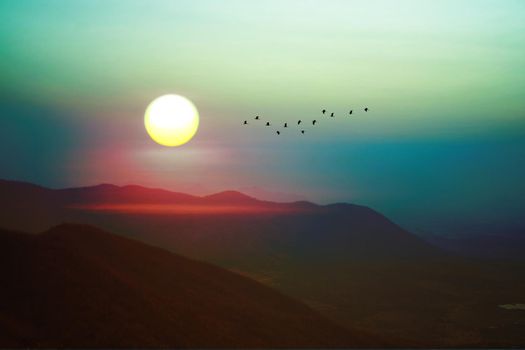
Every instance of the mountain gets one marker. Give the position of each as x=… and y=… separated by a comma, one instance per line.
x=506, y=245
x=78, y=286
x=359, y=231
x=348, y=262
x=231, y=197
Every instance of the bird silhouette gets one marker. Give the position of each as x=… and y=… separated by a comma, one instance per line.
x=285, y=125
x=299, y=122
x=324, y=111
x=302, y=131
x=366, y=109
x=332, y=114
x=267, y=123
x=278, y=132
x=245, y=122
x=257, y=118
x=315, y=121
x=351, y=111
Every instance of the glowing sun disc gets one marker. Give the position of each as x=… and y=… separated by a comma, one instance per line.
x=171, y=120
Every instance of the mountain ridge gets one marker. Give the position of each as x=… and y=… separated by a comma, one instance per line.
x=51, y=207
x=218, y=197
x=79, y=286
x=348, y=262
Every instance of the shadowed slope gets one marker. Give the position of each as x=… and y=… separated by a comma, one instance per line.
x=77, y=286
x=347, y=261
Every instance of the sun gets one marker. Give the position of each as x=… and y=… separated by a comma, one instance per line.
x=171, y=120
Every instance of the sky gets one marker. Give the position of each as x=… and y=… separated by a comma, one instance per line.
x=442, y=150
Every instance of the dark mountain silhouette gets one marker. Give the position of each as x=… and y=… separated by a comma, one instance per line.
x=356, y=231
x=508, y=245
x=125, y=194
x=231, y=197
x=78, y=286
x=347, y=261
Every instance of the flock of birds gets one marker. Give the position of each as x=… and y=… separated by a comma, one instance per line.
x=299, y=122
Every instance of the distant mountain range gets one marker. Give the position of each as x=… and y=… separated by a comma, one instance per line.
x=496, y=246
x=347, y=261
x=365, y=232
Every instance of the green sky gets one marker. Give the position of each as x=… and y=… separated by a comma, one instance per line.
x=445, y=81
x=457, y=59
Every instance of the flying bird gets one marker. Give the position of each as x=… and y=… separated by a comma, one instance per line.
x=351, y=111
x=267, y=123
x=285, y=125
x=278, y=132
x=257, y=118
x=366, y=109
x=332, y=114
x=245, y=122
x=315, y=121
x=324, y=111
x=299, y=122
x=302, y=131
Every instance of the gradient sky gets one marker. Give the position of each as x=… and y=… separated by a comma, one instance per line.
x=442, y=150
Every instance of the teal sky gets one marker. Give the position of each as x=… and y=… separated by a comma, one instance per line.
x=442, y=149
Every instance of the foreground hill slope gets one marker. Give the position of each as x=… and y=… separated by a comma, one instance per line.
x=78, y=286
x=348, y=262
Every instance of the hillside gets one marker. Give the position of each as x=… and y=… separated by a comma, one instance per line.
x=78, y=286
x=348, y=262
